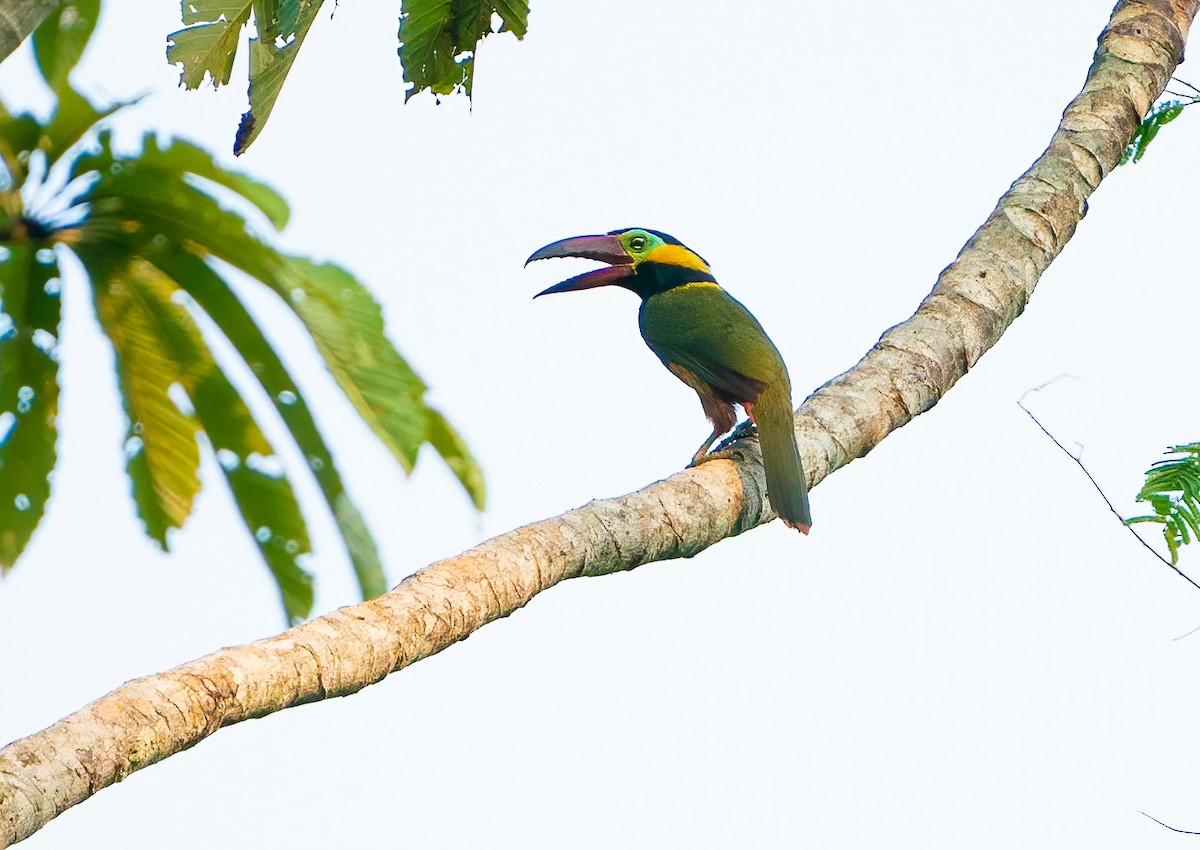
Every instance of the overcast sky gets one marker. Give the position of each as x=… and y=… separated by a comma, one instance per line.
x=967, y=651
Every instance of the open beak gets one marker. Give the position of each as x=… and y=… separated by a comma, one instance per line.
x=606, y=249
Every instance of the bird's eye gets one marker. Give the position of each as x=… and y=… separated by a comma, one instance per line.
x=638, y=243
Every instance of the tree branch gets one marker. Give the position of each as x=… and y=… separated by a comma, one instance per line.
x=1112, y=509
x=911, y=367
x=18, y=20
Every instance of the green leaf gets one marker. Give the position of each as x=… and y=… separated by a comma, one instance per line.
x=183, y=157
x=152, y=197
x=176, y=223
x=439, y=40
x=60, y=40
x=18, y=134
x=269, y=67
x=163, y=455
x=450, y=445
x=279, y=19
x=205, y=51
x=343, y=319
x=260, y=488
x=262, y=492
x=73, y=117
x=208, y=44
x=1172, y=489
x=347, y=325
x=1162, y=114
x=29, y=328
x=198, y=11
x=424, y=28
x=217, y=300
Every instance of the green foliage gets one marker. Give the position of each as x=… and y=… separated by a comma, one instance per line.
x=207, y=45
x=160, y=233
x=282, y=27
x=29, y=326
x=59, y=41
x=209, y=42
x=1173, y=490
x=1162, y=114
x=439, y=39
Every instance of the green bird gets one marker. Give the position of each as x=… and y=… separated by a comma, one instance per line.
x=708, y=340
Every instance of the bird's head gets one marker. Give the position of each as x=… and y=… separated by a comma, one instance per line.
x=644, y=261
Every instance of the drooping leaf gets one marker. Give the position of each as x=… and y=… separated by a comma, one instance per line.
x=60, y=40
x=154, y=202
x=255, y=476
x=207, y=47
x=453, y=448
x=343, y=319
x=439, y=40
x=29, y=329
x=218, y=301
x=161, y=449
x=208, y=44
x=1172, y=490
x=181, y=157
x=147, y=228
x=347, y=325
x=270, y=63
x=338, y=312
x=262, y=491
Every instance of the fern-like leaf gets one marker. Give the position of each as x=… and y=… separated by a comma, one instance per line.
x=1172, y=490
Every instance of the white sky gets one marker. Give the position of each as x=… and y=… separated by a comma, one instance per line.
x=968, y=650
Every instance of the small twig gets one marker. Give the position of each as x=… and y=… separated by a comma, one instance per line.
x=1103, y=495
x=1168, y=826
x=1187, y=634
x=1186, y=83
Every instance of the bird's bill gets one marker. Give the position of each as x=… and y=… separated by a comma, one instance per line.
x=606, y=249
x=590, y=280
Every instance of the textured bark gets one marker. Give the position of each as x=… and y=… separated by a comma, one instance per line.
x=18, y=19
x=912, y=366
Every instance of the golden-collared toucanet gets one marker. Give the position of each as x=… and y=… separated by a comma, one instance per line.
x=708, y=340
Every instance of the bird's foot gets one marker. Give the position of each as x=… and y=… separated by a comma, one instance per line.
x=741, y=432
x=705, y=457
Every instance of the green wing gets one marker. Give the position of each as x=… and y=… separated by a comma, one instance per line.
x=704, y=329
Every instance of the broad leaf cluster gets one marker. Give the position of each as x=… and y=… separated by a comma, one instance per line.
x=161, y=234
x=1173, y=490
x=209, y=43
x=439, y=39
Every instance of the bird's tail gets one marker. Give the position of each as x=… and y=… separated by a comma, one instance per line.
x=786, y=486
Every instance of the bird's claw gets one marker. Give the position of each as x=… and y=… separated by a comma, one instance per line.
x=705, y=457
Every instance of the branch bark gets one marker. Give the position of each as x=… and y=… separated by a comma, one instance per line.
x=911, y=367
x=19, y=20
